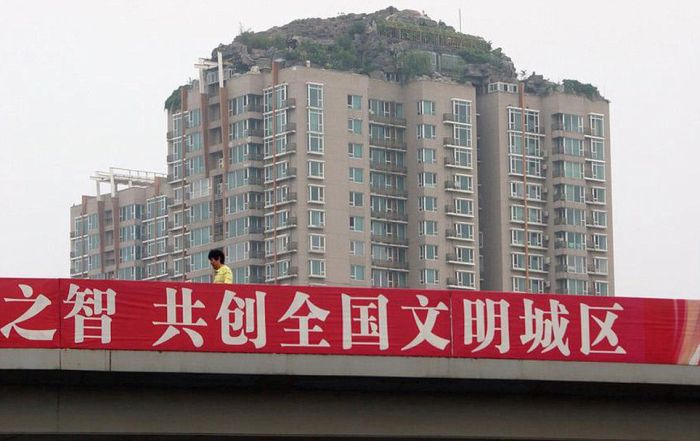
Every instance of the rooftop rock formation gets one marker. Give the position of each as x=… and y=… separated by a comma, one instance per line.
x=388, y=44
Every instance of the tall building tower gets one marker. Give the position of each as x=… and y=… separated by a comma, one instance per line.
x=431, y=170
x=545, y=192
x=312, y=176
x=122, y=234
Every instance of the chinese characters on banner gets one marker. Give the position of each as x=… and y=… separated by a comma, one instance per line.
x=164, y=316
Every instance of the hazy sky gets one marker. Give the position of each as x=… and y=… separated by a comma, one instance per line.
x=82, y=86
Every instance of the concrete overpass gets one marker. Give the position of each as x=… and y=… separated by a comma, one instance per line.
x=52, y=394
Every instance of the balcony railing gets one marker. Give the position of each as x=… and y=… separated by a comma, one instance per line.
x=389, y=191
x=391, y=215
x=394, y=240
x=388, y=120
x=388, y=143
x=390, y=264
x=456, y=142
x=289, y=127
x=391, y=168
x=453, y=118
x=450, y=160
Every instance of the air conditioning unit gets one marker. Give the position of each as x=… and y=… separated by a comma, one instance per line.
x=547, y=260
x=221, y=162
x=544, y=167
x=547, y=284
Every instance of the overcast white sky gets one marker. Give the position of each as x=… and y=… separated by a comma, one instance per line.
x=82, y=86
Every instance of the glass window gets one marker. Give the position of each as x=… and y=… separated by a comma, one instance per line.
x=426, y=107
x=355, y=125
x=356, y=174
x=598, y=194
x=315, y=121
x=356, y=199
x=463, y=182
x=429, y=277
x=317, y=218
x=426, y=131
x=598, y=170
x=597, y=149
x=355, y=150
x=427, y=203
x=428, y=252
x=316, y=193
x=316, y=169
x=427, y=179
x=597, y=125
x=462, y=111
x=315, y=143
x=317, y=268
x=317, y=242
x=464, y=206
x=357, y=272
x=357, y=248
x=315, y=95
x=357, y=223
x=428, y=228
x=426, y=156
x=355, y=102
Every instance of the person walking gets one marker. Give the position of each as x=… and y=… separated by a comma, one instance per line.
x=222, y=273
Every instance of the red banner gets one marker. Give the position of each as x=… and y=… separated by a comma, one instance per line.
x=165, y=316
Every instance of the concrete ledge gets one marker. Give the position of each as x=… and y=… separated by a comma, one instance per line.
x=349, y=366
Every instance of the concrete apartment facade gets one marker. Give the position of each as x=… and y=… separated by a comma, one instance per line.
x=569, y=213
x=123, y=234
x=336, y=178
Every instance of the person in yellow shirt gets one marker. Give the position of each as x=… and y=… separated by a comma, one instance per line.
x=222, y=273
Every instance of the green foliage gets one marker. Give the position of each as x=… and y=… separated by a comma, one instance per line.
x=174, y=101
x=260, y=40
x=312, y=51
x=357, y=27
x=342, y=54
x=412, y=64
x=476, y=56
x=579, y=88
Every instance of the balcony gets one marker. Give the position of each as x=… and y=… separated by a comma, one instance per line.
x=391, y=215
x=451, y=233
x=387, y=167
x=289, y=127
x=450, y=161
x=389, y=143
x=387, y=120
x=256, y=254
x=455, y=119
x=393, y=264
x=389, y=191
x=393, y=240
x=254, y=108
x=588, y=131
x=452, y=185
x=257, y=133
x=456, y=142
x=453, y=258
x=290, y=102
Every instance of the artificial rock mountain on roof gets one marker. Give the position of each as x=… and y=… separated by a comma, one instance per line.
x=390, y=43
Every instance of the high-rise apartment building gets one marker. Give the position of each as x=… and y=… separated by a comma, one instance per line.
x=123, y=234
x=547, y=224
x=308, y=181
x=312, y=176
